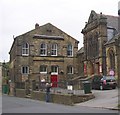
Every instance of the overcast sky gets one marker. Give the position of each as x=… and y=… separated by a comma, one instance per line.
x=20, y=16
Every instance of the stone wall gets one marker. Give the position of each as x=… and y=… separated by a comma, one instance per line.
x=20, y=93
x=66, y=99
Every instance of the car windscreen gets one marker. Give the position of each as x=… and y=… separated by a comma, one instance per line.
x=110, y=77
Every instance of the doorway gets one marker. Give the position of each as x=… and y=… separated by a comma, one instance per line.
x=54, y=80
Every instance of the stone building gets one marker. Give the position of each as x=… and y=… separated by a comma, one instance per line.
x=44, y=54
x=101, y=49
x=0, y=77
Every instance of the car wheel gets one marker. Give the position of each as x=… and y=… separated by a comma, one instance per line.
x=114, y=87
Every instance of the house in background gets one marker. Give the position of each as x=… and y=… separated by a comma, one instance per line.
x=0, y=77
x=99, y=31
x=44, y=54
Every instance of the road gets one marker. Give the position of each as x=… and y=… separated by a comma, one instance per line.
x=25, y=105
x=103, y=99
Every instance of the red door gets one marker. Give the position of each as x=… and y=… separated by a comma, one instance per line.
x=54, y=80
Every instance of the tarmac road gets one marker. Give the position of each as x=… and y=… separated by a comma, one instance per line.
x=103, y=99
x=24, y=105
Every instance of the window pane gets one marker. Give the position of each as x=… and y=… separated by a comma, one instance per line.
x=69, y=50
x=110, y=33
x=43, y=49
x=25, y=49
x=43, y=69
x=69, y=70
x=25, y=70
x=54, y=69
x=54, y=49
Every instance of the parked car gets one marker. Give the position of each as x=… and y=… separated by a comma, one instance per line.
x=103, y=82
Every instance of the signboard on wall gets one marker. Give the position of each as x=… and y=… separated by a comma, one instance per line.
x=112, y=73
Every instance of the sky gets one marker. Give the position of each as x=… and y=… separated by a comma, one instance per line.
x=20, y=16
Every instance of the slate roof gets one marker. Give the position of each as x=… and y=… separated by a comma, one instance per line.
x=81, y=50
x=112, y=21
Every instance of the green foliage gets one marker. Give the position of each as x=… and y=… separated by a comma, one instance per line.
x=5, y=80
x=119, y=106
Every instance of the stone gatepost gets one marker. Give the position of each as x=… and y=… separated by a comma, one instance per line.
x=12, y=89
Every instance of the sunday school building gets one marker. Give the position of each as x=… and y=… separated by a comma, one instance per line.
x=48, y=54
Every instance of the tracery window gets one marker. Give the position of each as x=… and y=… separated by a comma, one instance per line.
x=93, y=46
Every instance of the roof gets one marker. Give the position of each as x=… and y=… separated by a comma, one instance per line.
x=47, y=31
x=112, y=21
x=81, y=50
x=113, y=39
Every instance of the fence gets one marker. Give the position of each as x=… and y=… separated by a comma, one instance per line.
x=56, y=86
x=20, y=85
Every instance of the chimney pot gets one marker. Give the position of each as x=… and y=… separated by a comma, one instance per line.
x=36, y=26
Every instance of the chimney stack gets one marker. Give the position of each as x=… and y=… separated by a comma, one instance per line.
x=36, y=26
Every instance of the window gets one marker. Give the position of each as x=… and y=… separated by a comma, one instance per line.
x=92, y=45
x=112, y=59
x=54, y=49
x=25, y=70
x=69, y=50
x=43, y=49
x=70, y=70
x=43, y=69
x=54, y=69
x=110, y=33
x=25, y=49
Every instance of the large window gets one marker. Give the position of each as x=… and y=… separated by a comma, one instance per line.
x=25, y=49
x=43, y=69
x=92, y=45
x=54, y=50
x=70, y=70
x=54, y=69
x=25, y=70
x=43, y=49
x=69, y=50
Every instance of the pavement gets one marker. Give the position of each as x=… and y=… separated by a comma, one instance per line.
x=103, y=99
x=107, y=99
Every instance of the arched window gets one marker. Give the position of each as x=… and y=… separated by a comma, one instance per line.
x=90, y=46
x=25, y=49
x=93, y=45
x=112, y=60
x=96, y=44
x=43, y=49
x=69, y=50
